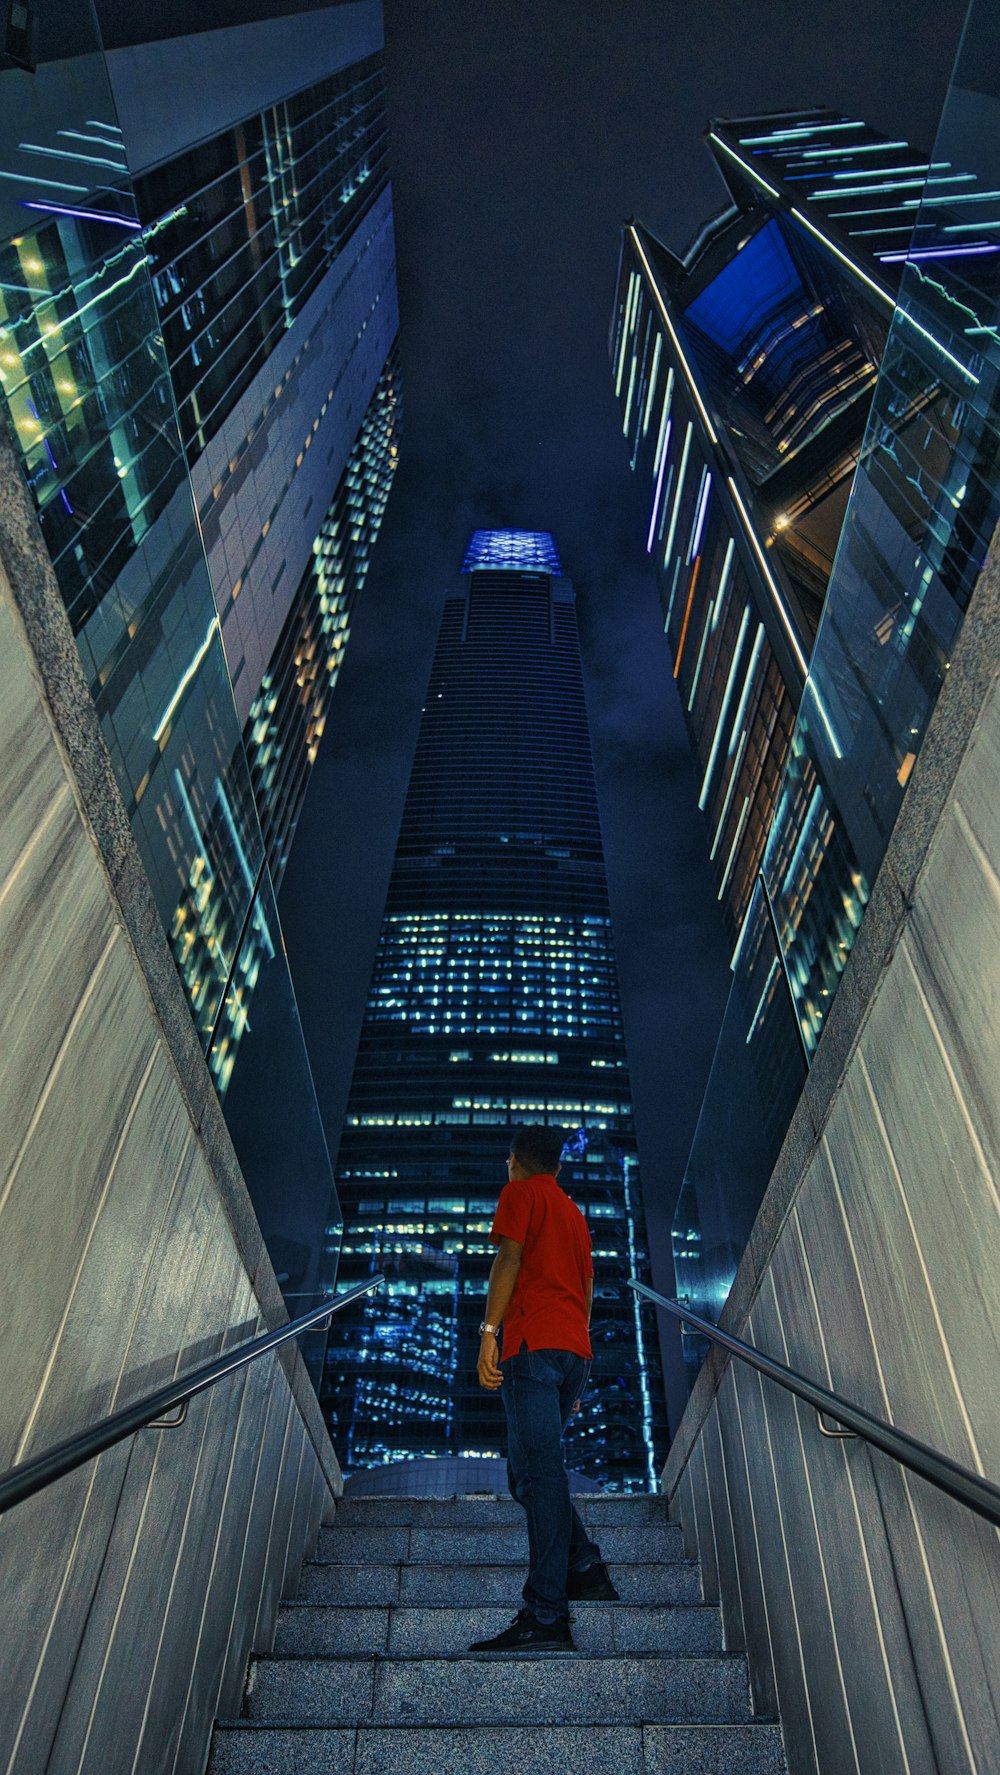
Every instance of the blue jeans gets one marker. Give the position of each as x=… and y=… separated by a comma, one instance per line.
x=540, y=1388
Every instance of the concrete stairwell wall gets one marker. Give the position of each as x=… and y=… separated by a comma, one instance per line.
x=133, y=1591
x=868, y=1601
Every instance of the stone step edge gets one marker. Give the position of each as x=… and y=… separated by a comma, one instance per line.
x=479, y=1658
x=464, y=1609
x=475, y=1565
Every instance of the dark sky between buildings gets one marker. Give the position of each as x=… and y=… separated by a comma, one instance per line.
x=522, y=133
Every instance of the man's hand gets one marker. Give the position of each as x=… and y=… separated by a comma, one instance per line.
x=488, y=1367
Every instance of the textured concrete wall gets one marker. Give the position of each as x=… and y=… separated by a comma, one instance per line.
x=868, y=1601
x=133, y=1591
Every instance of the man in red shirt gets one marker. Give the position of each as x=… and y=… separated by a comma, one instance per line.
x=541, y=1291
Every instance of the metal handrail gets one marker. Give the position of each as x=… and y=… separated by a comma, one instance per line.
x=29, y=1477
x=940, y=1470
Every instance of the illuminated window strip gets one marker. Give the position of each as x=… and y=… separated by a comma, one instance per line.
x=186, y=678
x=762, y=558
x=737, y=761
x=673, y=594
x=720, y=724
x=723, y=581
x=855, y=148
x=699, y=522
x=677, y=494
x=631, y=391
x=667, y=492
x=801, y=130
x=656, y=500
x=744, y=164
x=658, y=347
x=747, y=684
x=732, y=854
x=664, y=417
x=902, y=312
x=687, y=616
x=701, y=654
x=668, y=323
x=772, y=970
x=896, y=185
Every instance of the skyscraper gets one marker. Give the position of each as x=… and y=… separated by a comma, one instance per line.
x=816, y=533
x=494, y=1001
x=197, y=353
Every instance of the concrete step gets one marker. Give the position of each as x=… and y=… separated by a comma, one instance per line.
x=541, y=1691
x=483, y=1512
x=506, y=1544
x=246, y=1749
x=305, y=1629
x=673, y=1581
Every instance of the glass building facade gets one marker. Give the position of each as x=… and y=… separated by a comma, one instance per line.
x=156, y=321
x=918, y=514
x=494, y=1002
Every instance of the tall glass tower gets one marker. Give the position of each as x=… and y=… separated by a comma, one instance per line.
x=494, y=1001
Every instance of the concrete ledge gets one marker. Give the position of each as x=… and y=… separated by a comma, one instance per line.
x=973, y=668
x=67, y=697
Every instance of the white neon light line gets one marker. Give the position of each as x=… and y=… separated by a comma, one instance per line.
x=70, y=154
x=699, y=523
x=762, y=558
x=747, y=683
x=723, y=582
x=94, y=123
x=888, y=172
x=798, y=133
x=772, y=970
x=654, y=372
x=720, y=724
x=673, y=594
x=667, y=491
x=824, y=717
x=745, y=164
x=35, y=179
x=664, y=419
x=668, y=323
x=628, y=397
x=896, y=184
x=734, y=962
x=737, y=761
x=677, y=494
x=185, y=680
x=656, y=502
x=701, y=654
x=76, y=135
x=855, y=148
x=902, y=312
x=732, y=853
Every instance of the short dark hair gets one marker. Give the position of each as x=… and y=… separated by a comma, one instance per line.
x=538, y=1149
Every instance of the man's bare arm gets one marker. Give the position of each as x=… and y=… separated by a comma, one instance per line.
x=503, y=1277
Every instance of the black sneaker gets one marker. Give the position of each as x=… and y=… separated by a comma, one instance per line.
x=527, y=1634
x=592, y=1585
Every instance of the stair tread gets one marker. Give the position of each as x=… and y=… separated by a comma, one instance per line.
x=245, y=1747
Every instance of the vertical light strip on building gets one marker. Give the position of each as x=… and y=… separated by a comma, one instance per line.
x=732, y=852
x=747, y=682
x=687, y=616
x=723, y=582
x=701, y=654
x=737, y=761
x=699, y=521
x=656, y=495
x=664, y=416
x=716, y=738
x=677, y=494
x=668, y=323
x=654, y=372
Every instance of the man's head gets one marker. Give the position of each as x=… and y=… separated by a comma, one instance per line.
x=535, y=1149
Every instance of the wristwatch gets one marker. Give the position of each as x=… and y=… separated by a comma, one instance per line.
x=484, y=1328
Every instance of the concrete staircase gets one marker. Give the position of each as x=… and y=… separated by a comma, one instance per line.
x=370, y=1673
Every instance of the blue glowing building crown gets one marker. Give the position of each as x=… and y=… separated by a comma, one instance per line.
x=511, y=551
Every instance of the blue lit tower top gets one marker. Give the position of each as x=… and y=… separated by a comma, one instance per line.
x=511, y=551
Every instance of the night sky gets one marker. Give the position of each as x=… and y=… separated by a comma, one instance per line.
x=522, y=133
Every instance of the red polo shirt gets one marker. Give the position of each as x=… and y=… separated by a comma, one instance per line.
x=548, y=1309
